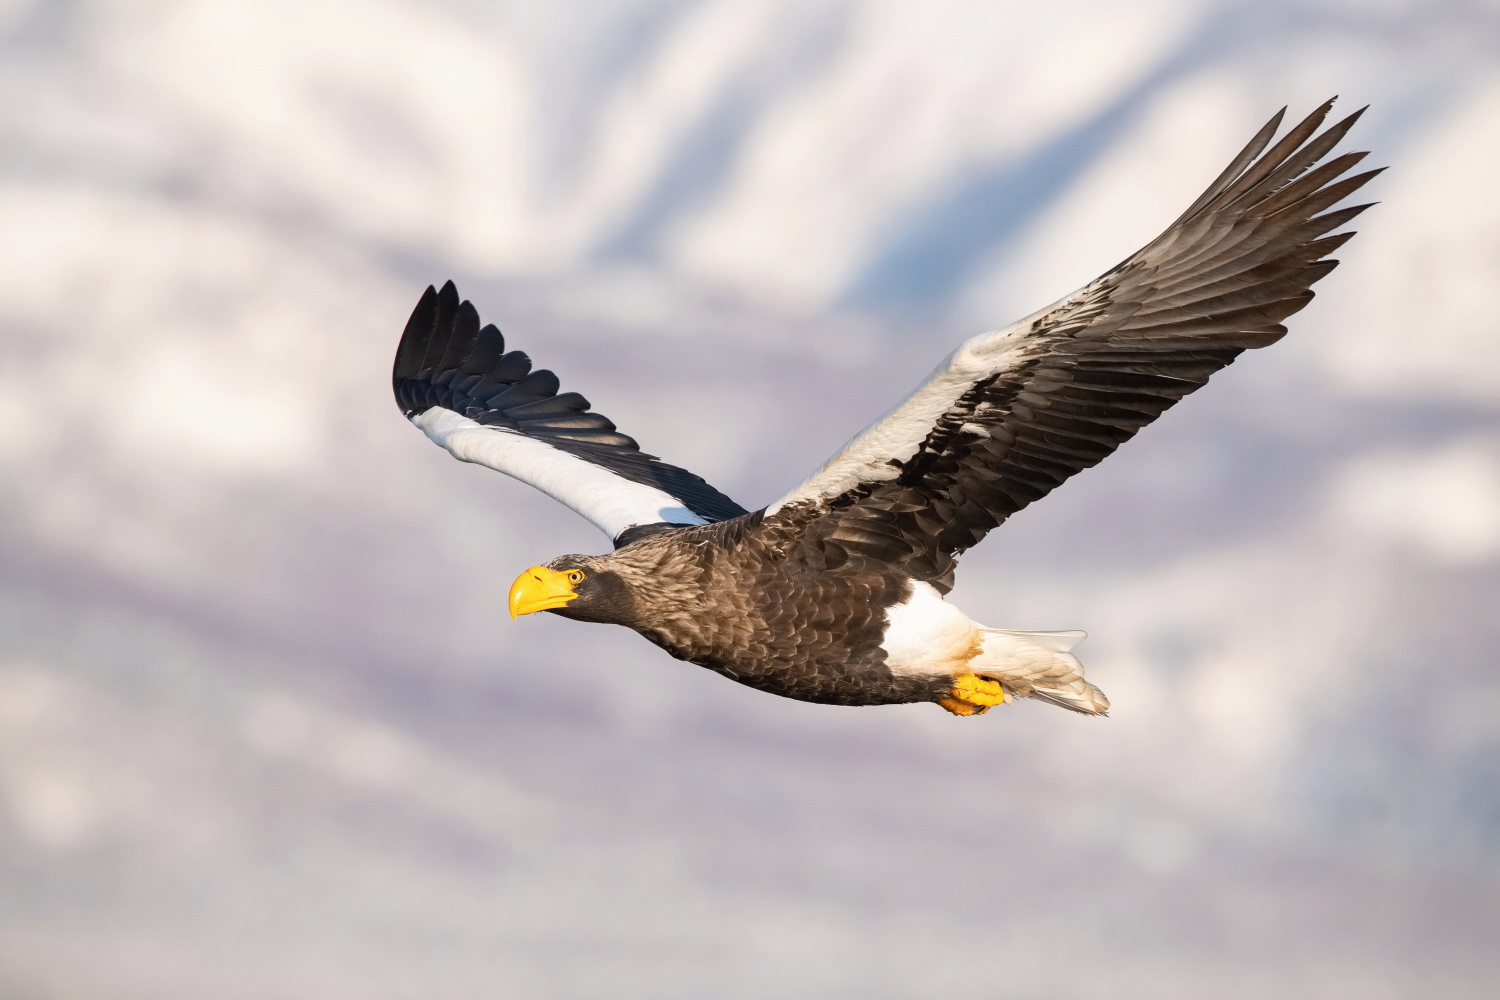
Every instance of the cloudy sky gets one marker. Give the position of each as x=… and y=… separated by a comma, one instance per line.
x=265, y=731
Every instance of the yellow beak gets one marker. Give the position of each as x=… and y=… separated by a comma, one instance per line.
x=538, y=589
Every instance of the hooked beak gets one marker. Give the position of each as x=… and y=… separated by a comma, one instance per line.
x=539, y=589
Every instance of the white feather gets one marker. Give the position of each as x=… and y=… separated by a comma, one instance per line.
x=1058, y=642
x=898, y=434
x=612, y=502
x=1039, y=665
x=927, y=637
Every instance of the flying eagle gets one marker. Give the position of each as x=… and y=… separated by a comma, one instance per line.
x=835, y=592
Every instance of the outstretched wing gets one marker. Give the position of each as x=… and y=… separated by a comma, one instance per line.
x=1012, y=414
x=457, y=383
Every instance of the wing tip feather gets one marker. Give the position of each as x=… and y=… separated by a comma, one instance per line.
x=413, y=344
x=436, y=356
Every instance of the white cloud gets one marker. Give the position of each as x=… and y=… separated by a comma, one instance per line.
x=388, y=116
x=26, y=696
x=204, y=407
x=1241, y=706
x=51, y=807
x=188, y=333
x=1445, y=503
x=1424, y=316
x=909, y=105
x=1124, y=199
x=1162, y=845
x=379, y=759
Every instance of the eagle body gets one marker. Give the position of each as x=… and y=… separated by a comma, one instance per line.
x=835, y=593
x=743, y=598
x=736, y=598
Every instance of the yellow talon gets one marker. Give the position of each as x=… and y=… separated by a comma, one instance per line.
x=973, y=695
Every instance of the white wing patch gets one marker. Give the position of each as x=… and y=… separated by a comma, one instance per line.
x=613, y=503
x=898, y=434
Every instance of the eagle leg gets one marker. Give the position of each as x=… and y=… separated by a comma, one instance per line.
x=973, y=695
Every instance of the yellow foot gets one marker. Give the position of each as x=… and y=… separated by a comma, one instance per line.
x=973, y=695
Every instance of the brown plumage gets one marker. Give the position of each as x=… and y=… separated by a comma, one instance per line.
x=833, y=593
x=739, y=598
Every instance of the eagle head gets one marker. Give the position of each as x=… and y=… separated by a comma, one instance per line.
x=579, y=587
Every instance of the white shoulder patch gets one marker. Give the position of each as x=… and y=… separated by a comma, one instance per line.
x=612, y=502
x=926, y=636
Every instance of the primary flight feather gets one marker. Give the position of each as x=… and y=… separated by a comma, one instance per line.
x=835, y=592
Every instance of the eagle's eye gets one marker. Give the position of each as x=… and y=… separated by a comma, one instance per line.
x=575, y=576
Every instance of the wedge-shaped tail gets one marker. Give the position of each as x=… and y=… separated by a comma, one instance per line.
x=1039, y=665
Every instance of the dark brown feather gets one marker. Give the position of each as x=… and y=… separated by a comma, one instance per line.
x=1106, y=362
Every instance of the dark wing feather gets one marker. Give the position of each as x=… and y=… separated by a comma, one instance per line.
x=447, y=359
x=1073, y=383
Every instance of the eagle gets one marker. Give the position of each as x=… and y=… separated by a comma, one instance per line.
x=835, y=593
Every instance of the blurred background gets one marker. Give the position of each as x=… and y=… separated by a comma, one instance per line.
x=266, y=731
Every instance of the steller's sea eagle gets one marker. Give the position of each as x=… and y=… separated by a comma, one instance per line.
x=834, y=593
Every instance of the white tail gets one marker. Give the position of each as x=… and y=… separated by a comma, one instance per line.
x=1039, y=665
x=1058, y=642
